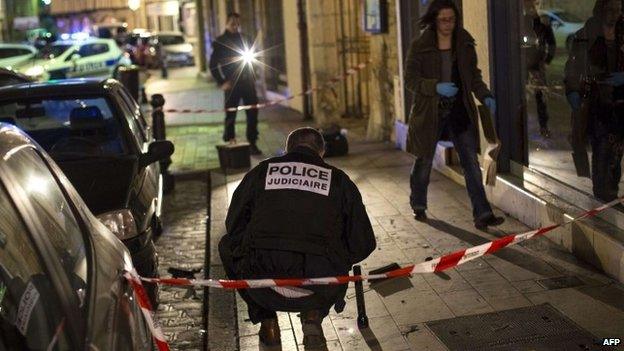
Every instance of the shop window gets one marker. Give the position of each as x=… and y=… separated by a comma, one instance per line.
x=575, y=115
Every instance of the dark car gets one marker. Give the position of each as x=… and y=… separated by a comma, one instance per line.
x=61, y=270
x=10, y=77
x=95, y=132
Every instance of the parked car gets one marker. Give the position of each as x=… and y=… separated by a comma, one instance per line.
x=61, y=269
x=176, y=51
x=137, y=46
x=564, y=24
x=95, y=132
x=12, y=55
x=92, y=57
x=10, y=77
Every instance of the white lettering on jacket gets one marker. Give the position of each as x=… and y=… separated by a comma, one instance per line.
x=298, y=176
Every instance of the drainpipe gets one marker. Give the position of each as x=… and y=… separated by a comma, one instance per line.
x=308, y=111
x=201, y=34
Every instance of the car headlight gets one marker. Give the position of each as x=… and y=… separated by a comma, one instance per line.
x=35, y=71
x=121, y=223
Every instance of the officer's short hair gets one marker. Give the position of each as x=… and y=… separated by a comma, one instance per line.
x=305, y=136
x=232, y=15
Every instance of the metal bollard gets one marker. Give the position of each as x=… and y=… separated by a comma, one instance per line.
x=159, y=133
x=129, y=77
x=362, y=318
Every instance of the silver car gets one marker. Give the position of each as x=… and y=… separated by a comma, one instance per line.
x=61, y=270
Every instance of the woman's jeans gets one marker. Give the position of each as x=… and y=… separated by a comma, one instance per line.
x=465, y=144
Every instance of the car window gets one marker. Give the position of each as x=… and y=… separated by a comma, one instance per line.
x=136, y=129
x=35, y=181
x=52, y=51
x=30, y=312
x=170, y=39
x=11, y=52
x=134, y=106
x=93, y=49
x=76, y=127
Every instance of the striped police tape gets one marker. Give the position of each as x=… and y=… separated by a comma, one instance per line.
x=340, y=77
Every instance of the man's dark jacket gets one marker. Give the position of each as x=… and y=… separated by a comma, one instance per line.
x=295, y=216
x=225, y=61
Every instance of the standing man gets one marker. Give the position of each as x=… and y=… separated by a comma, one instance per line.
x=540, y=48
x=231, y=65
x=295, y=216
x=441, y=70
x=594, y=79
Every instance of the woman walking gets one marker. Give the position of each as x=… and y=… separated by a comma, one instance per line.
x=442, y=72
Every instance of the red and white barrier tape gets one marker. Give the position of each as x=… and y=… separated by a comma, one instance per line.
x=141, y=295
x=436, y=265
x=351, y=71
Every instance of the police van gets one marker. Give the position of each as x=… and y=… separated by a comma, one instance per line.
x=92, y=57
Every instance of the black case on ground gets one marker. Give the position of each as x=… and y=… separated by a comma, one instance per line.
x=234, y=157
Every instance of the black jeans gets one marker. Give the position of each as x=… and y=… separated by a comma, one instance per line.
x=465, y=144
x=247, y=93
x=607, y=151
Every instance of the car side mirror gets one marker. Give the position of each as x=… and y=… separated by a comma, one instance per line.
x=75, y=57
x=556, y=24
x=156, y=151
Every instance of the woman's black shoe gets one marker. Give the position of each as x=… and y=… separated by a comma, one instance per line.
x=420, y=215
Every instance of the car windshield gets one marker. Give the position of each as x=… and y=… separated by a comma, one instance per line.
x=68, y=128
x=171, y=39
x=52, y=51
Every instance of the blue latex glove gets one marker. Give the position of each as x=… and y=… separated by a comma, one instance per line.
x=574, y=99
x=491, y=104
x=447, y=89
x=616, y=79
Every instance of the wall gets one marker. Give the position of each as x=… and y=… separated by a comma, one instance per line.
x=292, y=45
x=384, y=54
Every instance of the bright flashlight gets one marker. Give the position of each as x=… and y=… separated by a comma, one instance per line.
x=248, y=56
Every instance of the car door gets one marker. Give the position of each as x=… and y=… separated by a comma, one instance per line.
x=149, y=183
x=92, y=60
x=60, y=287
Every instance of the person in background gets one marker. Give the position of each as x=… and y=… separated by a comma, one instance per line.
x=235, y=75
x=441, y=70
x=541, y=46
x=594, y=81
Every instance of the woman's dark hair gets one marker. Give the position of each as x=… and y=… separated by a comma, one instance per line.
x=430, y=19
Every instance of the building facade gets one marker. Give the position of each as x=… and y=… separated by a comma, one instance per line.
x=80, y=15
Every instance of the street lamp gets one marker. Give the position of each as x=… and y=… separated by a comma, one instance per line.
x=134, y=4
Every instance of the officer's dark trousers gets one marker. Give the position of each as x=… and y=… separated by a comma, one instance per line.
x=607, y=151
x=247, y=93
x=257, y=313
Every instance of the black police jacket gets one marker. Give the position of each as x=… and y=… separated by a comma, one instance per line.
x=225, y=61
x=295, y=216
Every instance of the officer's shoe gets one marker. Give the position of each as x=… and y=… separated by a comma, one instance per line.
x=253, y=149
x=313, y=337
x=420, y=215
x=488, y=221
x=270, y=332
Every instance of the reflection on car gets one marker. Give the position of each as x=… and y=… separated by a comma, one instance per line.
x=95, y=132
x=61, y=269
x=10, y=77
x=564, y=25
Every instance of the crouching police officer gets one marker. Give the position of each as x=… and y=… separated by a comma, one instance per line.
x=295, y=216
